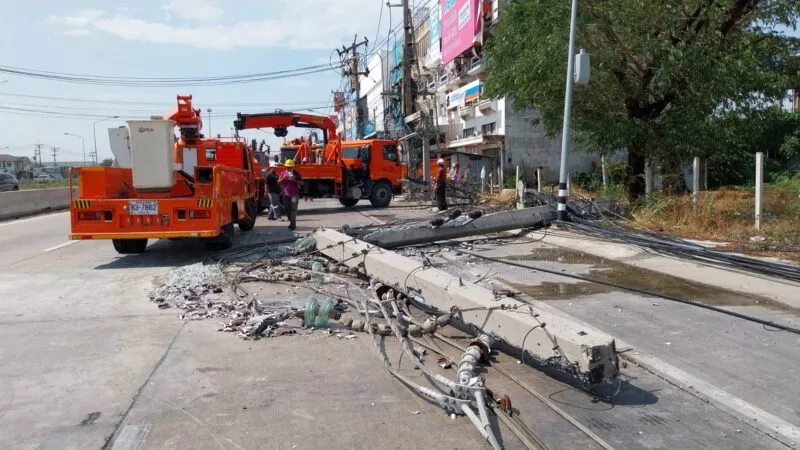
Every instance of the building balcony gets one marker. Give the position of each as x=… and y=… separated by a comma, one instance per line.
x=476, y=67
x=487, y=105
x=466, y=141
x=466, y=111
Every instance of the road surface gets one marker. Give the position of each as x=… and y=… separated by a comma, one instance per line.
x=88, y=362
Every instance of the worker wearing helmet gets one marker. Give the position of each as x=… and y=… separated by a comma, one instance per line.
x=291, y=182
x=274, y=191
x=440, y=187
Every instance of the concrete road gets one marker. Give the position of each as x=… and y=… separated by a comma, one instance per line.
x=751, y=366
x=85, y=356
x=86, y=361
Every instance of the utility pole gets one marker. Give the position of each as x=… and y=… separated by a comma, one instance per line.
x=408, y=48
x=55, y=150
x=355, y=85
x=563, y=190
x=37, y=152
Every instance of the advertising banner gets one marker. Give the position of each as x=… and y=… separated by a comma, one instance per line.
x=435, y=51
x=464, y=94
x=457, y=27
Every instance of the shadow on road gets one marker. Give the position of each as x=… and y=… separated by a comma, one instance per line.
x=166, y=253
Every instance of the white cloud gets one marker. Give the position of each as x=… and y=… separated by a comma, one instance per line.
x=196, y=10
x=80, y=19
x=76, y=32
x=288, y=28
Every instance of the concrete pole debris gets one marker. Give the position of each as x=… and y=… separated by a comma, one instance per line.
x=483, y=179
x=547, y=335
x=489, y=223
x=696, y=186
x=759, y=188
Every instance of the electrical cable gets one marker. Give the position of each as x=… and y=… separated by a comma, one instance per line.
x=592, y=435
x=164, y=82
x=635, y=290
x=165, y=104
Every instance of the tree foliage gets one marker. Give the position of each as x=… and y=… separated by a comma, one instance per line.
x=108, y=162
x=660, y=69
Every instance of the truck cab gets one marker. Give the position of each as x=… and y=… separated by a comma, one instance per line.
x=372, y=167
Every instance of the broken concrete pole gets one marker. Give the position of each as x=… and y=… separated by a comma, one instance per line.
x=546, y=335
x=463, y=226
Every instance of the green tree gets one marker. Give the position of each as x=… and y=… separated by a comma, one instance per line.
x=108, y=162
x=660, y=70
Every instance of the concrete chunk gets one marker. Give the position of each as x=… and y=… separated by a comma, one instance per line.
x=546, y=335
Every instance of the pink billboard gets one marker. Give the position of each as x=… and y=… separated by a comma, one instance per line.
x=458, y=22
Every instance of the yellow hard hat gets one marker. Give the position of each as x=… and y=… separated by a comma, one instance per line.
x=289, y=163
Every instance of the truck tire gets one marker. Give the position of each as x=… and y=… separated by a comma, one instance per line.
x=223, y=241
x=250, y=222
x=349, y=202
x=129, y=246
x=381, y=195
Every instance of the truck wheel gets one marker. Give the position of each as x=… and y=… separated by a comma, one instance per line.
x=381, y=195
x=129, y=246
x=223, y=241
x=349, y=202
x=250, y=222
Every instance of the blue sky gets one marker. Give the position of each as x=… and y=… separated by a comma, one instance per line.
x=166, y=38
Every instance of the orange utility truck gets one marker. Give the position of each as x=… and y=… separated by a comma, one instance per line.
x=350, y=171
x=186, y=187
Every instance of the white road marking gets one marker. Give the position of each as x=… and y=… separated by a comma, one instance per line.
x=14, y=222
x=56, y=247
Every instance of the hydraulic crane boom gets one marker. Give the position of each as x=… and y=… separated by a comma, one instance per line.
x=280, y=121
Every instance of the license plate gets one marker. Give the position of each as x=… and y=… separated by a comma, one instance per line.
x=143, y=208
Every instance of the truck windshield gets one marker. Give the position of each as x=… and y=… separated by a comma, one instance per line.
x=287, y=153
x=350, y=153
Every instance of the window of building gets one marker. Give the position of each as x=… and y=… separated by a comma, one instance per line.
x=488, y=128
x=468, y=132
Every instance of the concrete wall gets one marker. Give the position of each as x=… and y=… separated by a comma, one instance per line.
x=23, y=203
x=527, y=145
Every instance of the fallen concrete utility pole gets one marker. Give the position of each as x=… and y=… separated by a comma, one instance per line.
x=545, y=335
x=489, y=223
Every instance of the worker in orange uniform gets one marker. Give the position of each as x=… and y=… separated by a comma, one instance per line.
x=291, y=182
x=441, y=186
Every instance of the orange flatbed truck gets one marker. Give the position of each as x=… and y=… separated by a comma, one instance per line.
x=191, y=187
x=350, y=171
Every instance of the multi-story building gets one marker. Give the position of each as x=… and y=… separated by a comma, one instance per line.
x=480, y=133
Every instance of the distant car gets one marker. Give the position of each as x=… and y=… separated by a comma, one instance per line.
x=8, y=182
x=43, y=177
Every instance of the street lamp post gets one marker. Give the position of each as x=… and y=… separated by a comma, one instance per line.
x=83, y=143
x=563, y=190
x=94, y=135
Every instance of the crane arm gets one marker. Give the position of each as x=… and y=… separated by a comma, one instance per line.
x=283, y=120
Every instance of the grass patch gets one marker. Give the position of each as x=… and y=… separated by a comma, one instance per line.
x=28, y=185
x=728, y=215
